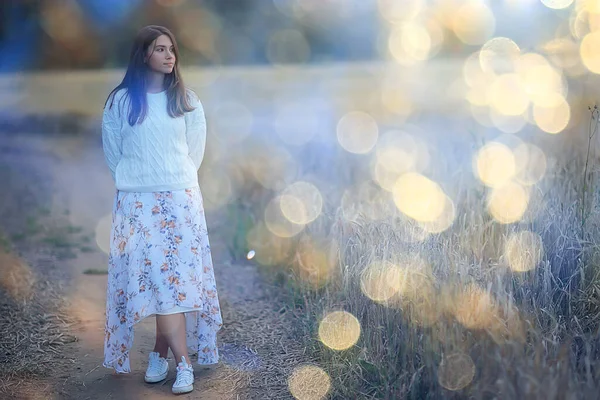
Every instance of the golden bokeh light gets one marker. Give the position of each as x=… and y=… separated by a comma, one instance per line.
x=301, y=203
x=553, y=119
x=339, y=330
x=410, y=40
x=508, y=203
x=397, y=12
x=419, y=197
x=473, y=74
x=479, y=95
x=288, y=46
x=381, y=281
x=589, y=6
x=293, y=209
x=542, y=81
x=523, y=251
x=508, y=95
x=415, y=275
x=508, y=123
x=588, y=51
x=474, y=307
x=578, y=24
x=499, y=55
x=456, y=371
x=529, y=60
x=417, y=296
x=357, y=132
x=315, y=261
x=309, y=382
x=436, y=34
x=400, y=152
x=103, y=232
x=495, y=164
x=531, y=164
x=276, y=221
x=563, y=52
x=443, y=221
x=473, y=23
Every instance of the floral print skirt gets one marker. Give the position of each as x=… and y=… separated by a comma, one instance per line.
x=160, y=262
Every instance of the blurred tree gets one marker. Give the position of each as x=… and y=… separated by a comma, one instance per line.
x=19, y=34
x=72, y=34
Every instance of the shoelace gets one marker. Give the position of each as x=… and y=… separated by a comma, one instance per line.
x=184, y=374
x=154, y=367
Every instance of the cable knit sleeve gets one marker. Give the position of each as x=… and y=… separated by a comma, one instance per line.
x=111, y=136
x=195, y=125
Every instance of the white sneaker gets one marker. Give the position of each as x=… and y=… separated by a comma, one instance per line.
x=158, y=368
x=184, y=382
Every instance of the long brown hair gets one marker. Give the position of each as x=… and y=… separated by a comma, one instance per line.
x=178, y=99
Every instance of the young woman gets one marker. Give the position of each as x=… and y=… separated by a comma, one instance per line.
x=153, y=136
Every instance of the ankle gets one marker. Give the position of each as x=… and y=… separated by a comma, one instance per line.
x=186, y=360
x=162, y=354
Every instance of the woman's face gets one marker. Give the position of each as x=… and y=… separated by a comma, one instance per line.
x=160, y=56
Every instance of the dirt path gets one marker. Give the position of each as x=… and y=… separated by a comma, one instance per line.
x=257, y=343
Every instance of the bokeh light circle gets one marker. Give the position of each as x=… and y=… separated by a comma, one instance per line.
x=102, y=232
x=523, y=251
x=339, y=330
x=495, y=164
x=456, y=371
x=357, y=132
x=301, y=202
x=474, y=23
x=589, y=52
x=499, y=55
x=553, y=119
x=508, y=203
x=309, y=382
x=419, y=197
x=381, y=281
x=276, y=221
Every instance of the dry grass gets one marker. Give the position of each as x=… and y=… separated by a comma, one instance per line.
x=32, y=324
x=32, y=337
x=526, y=335
x=531, y=335
x=16, y=277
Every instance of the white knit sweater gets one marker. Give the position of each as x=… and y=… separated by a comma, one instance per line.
x=161, y=153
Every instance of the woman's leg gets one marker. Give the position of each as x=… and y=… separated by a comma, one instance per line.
x=172, y=328
x=161, y=346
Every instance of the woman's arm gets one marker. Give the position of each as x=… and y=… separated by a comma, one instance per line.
x=111, y=137
x=195, y=124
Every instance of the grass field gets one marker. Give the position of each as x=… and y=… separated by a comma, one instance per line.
x=421, y=266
